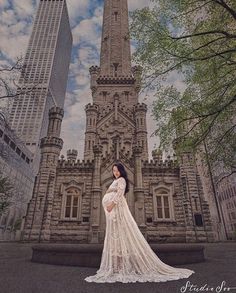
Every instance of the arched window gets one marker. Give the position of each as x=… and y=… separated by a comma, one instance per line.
x=72, y=203
x=104, y=95
x=115, y=65
x=163, y=205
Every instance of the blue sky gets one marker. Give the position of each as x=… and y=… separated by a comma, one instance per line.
x=16, y=18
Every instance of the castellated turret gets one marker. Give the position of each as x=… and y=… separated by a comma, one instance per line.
x=37, y=224
x=55, y=119
x=157, y=155
x=94, y=72
x=51, y=145
x=90, y=133
x=72, y=155
x=137, y=73
x=140, y=110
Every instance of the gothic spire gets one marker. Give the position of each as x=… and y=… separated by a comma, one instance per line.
x=115, y=57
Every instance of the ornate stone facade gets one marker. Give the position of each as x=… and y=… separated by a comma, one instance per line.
x=165, y=197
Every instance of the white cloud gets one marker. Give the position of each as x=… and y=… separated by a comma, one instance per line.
x=76, y=9
x=82, y=79
x=15, y=27
x=8, y=17
x=13, y=43
x=88, y=30
x=74, y=122
x=134, y=4
x=4, y=4
x=23, y=9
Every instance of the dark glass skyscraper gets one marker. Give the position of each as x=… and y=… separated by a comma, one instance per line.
x=43, y=82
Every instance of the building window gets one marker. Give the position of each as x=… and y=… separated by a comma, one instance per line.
x=18, y=151
x=6, y=139
x=126, y=96
x=163, y=205
x=198, y=220
x=12, y=145
x=86, y=219
x=104, y=96
x=184, y=186
x=72, y=203
x=115, y=68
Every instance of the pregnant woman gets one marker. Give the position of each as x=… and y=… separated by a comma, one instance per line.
x=127, y=256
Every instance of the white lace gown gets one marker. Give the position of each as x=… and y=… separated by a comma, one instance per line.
x=127, y=256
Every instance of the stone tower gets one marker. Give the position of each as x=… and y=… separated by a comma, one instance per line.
x=115, y=120
x=165, y=197
x=37, y=223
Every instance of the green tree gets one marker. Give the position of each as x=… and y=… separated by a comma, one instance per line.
x=196, y=40
x=6, y=193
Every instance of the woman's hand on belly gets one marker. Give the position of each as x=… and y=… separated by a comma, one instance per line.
x=110, y=207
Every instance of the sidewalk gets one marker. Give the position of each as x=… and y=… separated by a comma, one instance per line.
x=19, y=275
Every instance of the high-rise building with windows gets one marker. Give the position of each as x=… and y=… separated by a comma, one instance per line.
x=43, y=81
x=16, y=167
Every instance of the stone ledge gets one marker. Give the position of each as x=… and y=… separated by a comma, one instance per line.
x=89, y=255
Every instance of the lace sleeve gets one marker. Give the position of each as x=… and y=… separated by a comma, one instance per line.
x=120, y=190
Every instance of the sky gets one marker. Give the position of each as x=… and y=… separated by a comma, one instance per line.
x=16, y=20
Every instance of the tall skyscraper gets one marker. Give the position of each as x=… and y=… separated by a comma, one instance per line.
x=43, y=81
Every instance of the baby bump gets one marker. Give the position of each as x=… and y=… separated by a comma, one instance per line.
x=107, y=198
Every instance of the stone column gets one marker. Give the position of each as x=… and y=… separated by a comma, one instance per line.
x=96, y=195
x=138, y=189
x=140, y=111
x=90, y=133
x=193, y=201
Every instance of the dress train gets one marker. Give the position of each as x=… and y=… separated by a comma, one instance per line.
x=127, y=256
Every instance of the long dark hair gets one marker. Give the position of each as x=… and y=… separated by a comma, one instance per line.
x=123, y=174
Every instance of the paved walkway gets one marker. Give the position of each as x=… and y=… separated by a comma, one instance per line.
x=19, y=275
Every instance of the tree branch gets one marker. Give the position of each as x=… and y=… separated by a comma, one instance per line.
x=226, y=176
x=226, y=133
x=205, y=33
x=211, y=56
x=207, y=131
x=209, y=114
x=16, y=66
x=192, y=10
x=195, y=50
x=224, y=5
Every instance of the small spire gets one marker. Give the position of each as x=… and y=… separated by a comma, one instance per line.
x=157, y=154
x=72, y=155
